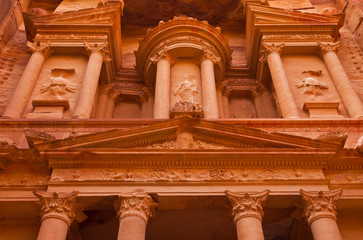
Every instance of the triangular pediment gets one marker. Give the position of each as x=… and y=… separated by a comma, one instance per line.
x=184, y=133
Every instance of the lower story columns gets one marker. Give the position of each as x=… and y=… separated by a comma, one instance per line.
x=247, y=212
x=135, y=210
x=320, y=213
x=57, y=214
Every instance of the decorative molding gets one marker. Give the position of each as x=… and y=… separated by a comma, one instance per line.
x=164, y=54
x=287, y=37
x=320, y=205
x=247, y=204
x=161, y=174
x=208, y=55
x=42, y=48
x=138, y=205
x=57, y=205
x=328, y=47
x=81, y=37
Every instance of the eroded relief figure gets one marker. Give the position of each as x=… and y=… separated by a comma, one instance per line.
x=57, y=87
x=187, y=91
x=311, y=85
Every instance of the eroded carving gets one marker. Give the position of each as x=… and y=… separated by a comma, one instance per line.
x=272, y=47
x=320, y=204
x=136, y=204
x=310, y=84
x=43, y=48
x=101, y=48
x=57, y=205
x=247, y=204
x=327, y=47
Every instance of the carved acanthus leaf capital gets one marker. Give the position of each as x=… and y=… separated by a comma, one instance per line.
x=57, y=205
x=101, y=48
x=273, y=47
x=136, y=204
x=43, y=48
x=208, y=55
x=247, y=204
x=320, y=204
x=164, y=54
x=327, y=47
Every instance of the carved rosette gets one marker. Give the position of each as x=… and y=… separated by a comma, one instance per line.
x=101, y=48
x=247, y=204
x=42, y=48
x=320, y=204
x=269, y=48
x=328, y=47
x=57, y=205
x=136, y=204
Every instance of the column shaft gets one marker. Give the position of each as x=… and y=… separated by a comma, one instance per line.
x=281, y=83
x=144, y=108
x=249, y=228
x=226, y=106
x=220, y=103
x=259, y=106
x=25, y=86
x=162, y=90
x=210, y=105
x=325, y=229
x=88, y=88
x=150, y=107
x=110, y=107
x=350, y=98
x=132, y=228
x=268, y=104
x=54, y=229
x=101, y=106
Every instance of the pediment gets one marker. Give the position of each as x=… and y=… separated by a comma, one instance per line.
x=272, y=15
x=185, y=133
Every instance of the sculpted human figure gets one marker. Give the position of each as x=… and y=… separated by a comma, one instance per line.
x=187, y=90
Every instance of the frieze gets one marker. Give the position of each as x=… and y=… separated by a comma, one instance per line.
x=297, y=37
x=184, y=175
x=70, y=37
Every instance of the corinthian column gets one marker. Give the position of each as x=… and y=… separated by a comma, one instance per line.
x=247, y=212
x=89, y=85
x=57, y=214
x=283, y=92
x=102, y=101
x=24, y=88
x=341, y=81
x=210, y=104
x=320, y=213
x=110, y=106
x=162, y=86
x=135, y=211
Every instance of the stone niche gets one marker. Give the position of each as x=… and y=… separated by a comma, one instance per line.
x=312, y=87
x=182, y=59
x=56, y=90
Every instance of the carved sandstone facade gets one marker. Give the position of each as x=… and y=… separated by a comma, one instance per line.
x=153, y=119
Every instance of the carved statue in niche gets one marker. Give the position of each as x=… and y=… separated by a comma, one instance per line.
x=58, y=86
x=311, y=85
x=187, y=91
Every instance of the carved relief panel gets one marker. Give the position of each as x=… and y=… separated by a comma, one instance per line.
x=58, y=84
x=310, y=82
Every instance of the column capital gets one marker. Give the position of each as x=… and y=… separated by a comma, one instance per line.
x=328, y=47
x=43, y=48
x=136, y=204
x=320, y=204
x=164, y=54
x=57, y=205
x=208, y=55
x=272, y=48
x=105, y=89
x=101, y=48
x=247, y=204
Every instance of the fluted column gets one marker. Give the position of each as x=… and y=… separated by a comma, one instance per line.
x=57, y=214
x=247, y=212
x=135, y=211
x=24, y=88
x=283, y=92
x=102, y=102
x=162, y=86
x=89, y=84
x=341, y=80
x=320, y=213
x=210, y=104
